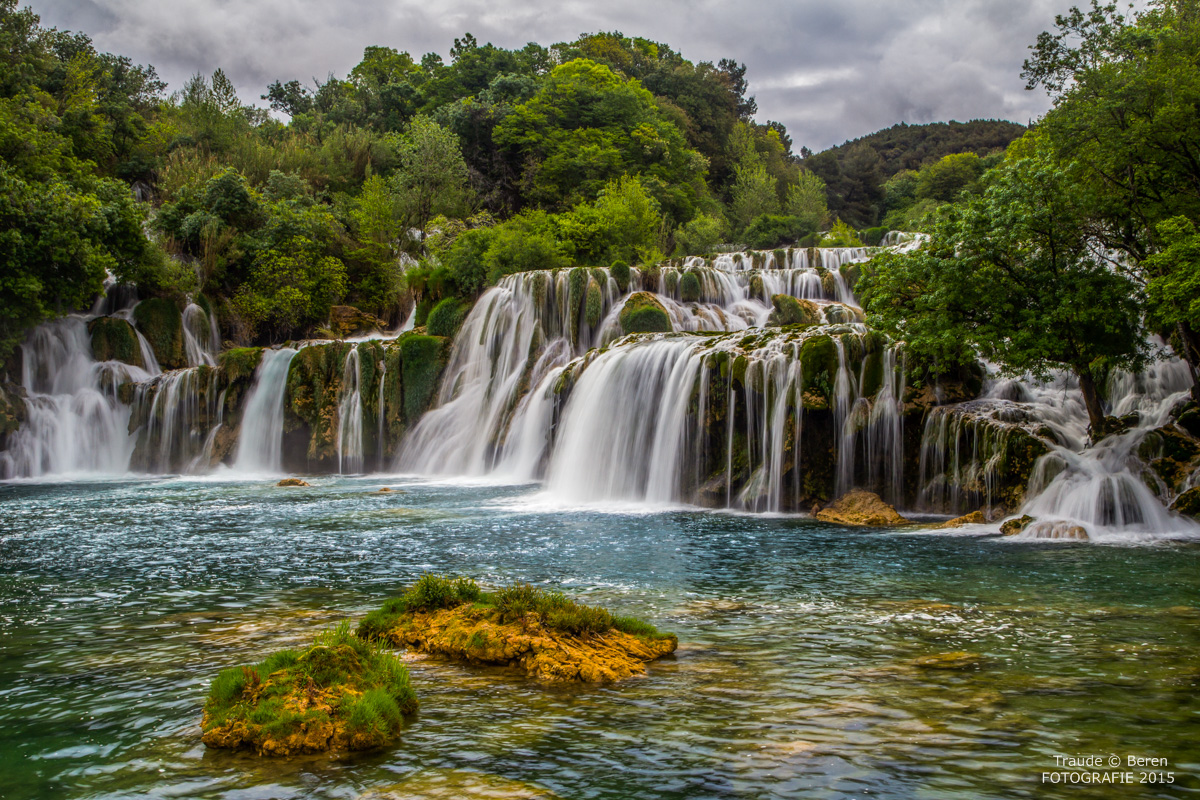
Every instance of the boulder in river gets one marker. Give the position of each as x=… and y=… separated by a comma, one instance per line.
x=860, y=509
x=293, y=482
x=544, y=634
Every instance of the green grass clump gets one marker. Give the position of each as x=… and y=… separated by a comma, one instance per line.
x=447, y=317
x=510, y=604
x=356, y=687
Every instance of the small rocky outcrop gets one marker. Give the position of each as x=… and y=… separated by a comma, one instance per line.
x=113, y=339
x=350, y=321
x=790, y=311
x=643, y=313
x=860, y=509
x=341, y=693
x=1060, y=530
x=544, y=634
x=161, y=322
x=1012, y=527
x=974, y=518
x=1188, y=503
x=293, y=482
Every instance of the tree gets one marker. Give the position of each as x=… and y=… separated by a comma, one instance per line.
x=806, y=200
x=432, y=178
x=1125, y=121
x=1014, y=275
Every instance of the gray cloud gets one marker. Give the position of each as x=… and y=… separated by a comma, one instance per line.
x=829, y=72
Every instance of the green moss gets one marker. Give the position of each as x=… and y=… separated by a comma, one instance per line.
x=780, y=259
x=872, y=378
x=510, y=604
x=1188, y=503
x=422, y=360
x=818, y=363
x=756, y=286
x=446, y=317
x=239, y=363
x=313, y=386
x=689, y=287
x=354, y=689
x=576, y=296
x=643, y=313
x=161, y=322
x=791, y=311
x=113, y=339
x=421, y=315
x=620, y=272
x=595, y=304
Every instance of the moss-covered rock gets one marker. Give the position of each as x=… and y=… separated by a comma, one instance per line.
x=689, y=287
x=447, y=317
x=1012, y=527
x=422, y=359
x=314, y=385
x=974, y=518
x=161, y=322
x=547, y=635
x=860, y=509
x=12, y=409
x=239, y=363
x=341, y=693
x=620, y=273
x=595, y=304
x=792, y=311
x=643, y=313
x=350, y=321
x=114, y=339
x=1188, y=503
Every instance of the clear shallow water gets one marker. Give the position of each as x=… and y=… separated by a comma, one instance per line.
x=795, y=675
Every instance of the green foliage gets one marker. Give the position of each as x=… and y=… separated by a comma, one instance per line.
x=432, y=178
x=1173, y=293
x=946, y=178
x=623, y=223
x=1013, y=275
x=841, y=235
x=790, y=311
x=772, y=230
x=446, y=317
x=755, y=192
x=239, y=363
x=806, y=200
x=700, y=235
x=594, y=304
x=642, y=313
x=874, y=236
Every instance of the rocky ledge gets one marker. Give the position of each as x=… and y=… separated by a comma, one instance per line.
x=544, y=634
x=341, y=693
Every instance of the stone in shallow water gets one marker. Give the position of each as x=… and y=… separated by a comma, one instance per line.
x=293, y=482
x=1014, y=526
x=861, y=509
x=1057, y=530
x=459, y=785
x=974, y=518
x=959, y=659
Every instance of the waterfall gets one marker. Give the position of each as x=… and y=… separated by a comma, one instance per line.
x=183, y=412
x=75, y=422
x=382, y=417
x=201, y=340
x=260, y=443
x=350, y=416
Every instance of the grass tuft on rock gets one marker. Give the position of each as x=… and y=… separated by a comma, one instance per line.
x=340, y=693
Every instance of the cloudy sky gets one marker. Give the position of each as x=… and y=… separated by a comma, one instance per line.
x=829, y=71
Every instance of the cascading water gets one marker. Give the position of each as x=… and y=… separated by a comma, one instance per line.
x=350, y=416
x=201, y=339
x=260, y=443
x=75, y=423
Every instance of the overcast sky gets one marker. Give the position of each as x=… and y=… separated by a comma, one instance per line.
x=829, y=71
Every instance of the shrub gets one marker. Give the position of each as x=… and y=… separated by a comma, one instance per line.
x=771, y=230
x=689, y=287
x=620, y=273
x=643, y=313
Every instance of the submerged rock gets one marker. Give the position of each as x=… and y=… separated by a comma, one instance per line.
x=959, y=659
x=1014, y=526
x=293, y=482
x=974, y=518
x=340, y=693
x=544, y=634
x=1057, y=530
x=861, y=509
x=792, y=311
x=458, y=785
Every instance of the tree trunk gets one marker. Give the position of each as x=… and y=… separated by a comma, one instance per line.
x=1191, y=355
x=1092, y=400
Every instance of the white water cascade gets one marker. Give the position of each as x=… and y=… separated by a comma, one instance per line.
x=75, y=423
x=350, y=416
x=260, y=443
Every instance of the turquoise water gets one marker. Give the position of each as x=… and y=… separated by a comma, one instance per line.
x=796, y=673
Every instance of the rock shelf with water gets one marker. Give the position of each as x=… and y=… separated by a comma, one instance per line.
x=544, y=634
x=340, y=693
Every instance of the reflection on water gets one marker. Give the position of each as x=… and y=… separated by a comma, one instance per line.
x=813, y=661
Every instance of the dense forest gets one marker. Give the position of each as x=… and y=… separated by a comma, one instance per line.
x=408, y=180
